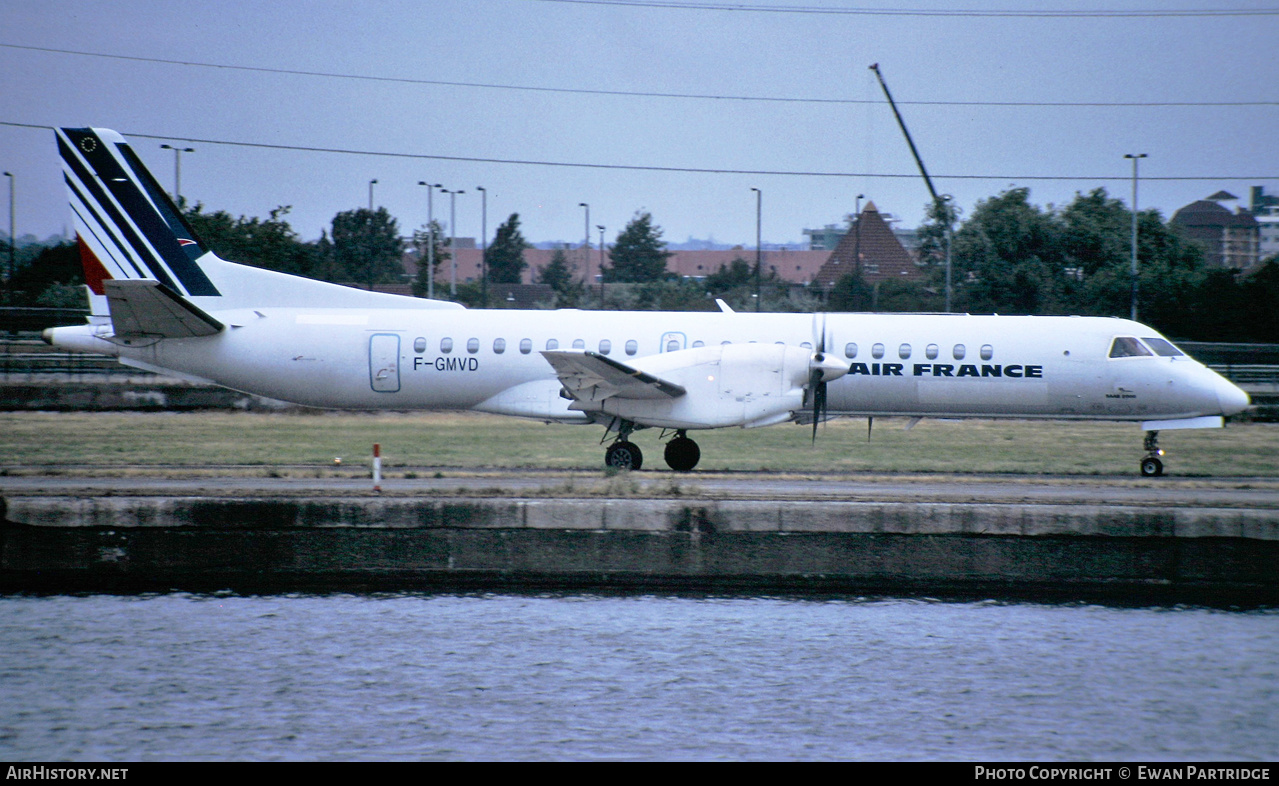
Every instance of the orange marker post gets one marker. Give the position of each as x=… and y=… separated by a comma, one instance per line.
x=377, y=467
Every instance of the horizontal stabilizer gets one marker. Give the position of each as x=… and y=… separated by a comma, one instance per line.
x=143, y=308
x=590, y=376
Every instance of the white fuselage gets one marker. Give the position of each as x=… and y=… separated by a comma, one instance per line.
x=489, y=360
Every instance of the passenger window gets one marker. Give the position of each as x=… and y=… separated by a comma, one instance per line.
x=499, y=346
x=958, y=352
x=1163, y=348
x=931, y=351
x=552, y=343
x=804, y=344
x=1127, y=347
x=606, y=346
x=987, y=352
x=699, y=343
x=526, y=346
x=472, y=345
x=877, y=351
x=419, y=345
x=903, y=351
x=672, y=345
x=850, y=351
x=446, y=345
x=579, y=344
x=632, y=347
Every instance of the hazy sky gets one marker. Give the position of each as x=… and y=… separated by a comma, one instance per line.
x=840, y=134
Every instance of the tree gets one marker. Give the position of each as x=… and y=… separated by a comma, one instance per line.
x=53, y=279
x=425, y=274
x=558, y=275
x=738, y=273
x=367, y=247
x=638, y=255
x=505, y=257
x=1007, y=257
x=850, y=293
x=270, y=243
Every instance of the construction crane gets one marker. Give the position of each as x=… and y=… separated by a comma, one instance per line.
x=938, y=201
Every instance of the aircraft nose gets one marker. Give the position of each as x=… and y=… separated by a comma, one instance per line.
x=1230, y=397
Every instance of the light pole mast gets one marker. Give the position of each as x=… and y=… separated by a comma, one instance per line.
x=601, y=229
x=13, y=241
x=453, y=237
x=430, y=233
x=586, y=246
x=1133, y=272
x=484, y=247
x=759, y=254
x=177, y=169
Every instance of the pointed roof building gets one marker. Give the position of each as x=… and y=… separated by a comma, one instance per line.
x=871, y=248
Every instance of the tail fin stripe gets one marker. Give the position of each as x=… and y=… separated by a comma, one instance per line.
x=160, y=219
x=114, y=218
x=93, y=226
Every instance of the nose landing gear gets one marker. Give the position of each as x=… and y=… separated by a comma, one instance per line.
x=1151, y=466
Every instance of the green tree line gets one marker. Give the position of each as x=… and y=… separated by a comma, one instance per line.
x=1009, y=256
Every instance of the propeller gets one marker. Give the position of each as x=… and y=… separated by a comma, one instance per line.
x=822, y=368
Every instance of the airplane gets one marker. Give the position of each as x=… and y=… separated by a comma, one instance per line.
x=163, y=301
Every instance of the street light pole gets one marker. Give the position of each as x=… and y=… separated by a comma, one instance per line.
x=857, y=234
x=177, y=169
x=601, y=229
x=371, y=183
x=484, y=244
x=586, y=246
x=13, y=241
x=453, y=237
x=430, y=234
x=759, y=255
x=1133, y=272
x=947, y=199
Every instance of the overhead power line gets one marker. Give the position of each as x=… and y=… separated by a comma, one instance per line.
x=1164, y=13
x=622, y=93
x=651, y=168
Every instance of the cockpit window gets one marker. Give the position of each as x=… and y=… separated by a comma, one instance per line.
x=1128, y=347
x=1163, y=347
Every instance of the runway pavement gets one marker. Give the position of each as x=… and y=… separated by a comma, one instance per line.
x=1249, y=493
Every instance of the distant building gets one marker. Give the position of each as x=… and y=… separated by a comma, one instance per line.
x=1230, y=240
x=871, y=248
x=827, y=238
x=1265, y=208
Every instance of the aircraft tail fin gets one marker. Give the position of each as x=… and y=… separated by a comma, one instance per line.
x=128, y=229
x=126, y=225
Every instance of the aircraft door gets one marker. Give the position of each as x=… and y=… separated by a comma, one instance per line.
x=673, y=341
x=384, y=362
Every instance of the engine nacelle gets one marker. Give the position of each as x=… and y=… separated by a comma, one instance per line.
x=727, y=385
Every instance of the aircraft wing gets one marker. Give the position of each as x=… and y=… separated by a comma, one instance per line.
x=146, y=308
x=590, y=376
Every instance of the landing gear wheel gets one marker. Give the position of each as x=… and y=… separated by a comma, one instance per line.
x=624, y=455
x=682, y=454
x=1152, y=467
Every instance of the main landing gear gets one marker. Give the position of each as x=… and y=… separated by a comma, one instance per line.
x=1151, y=466
x=624, y=454
x=682, y=453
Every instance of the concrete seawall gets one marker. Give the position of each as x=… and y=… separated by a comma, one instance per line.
x=1139, y=554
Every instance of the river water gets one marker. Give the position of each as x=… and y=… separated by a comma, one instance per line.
x=420, y=676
